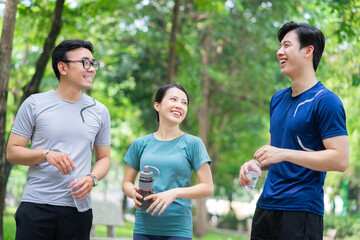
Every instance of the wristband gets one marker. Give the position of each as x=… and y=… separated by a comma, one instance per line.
x=47, y=154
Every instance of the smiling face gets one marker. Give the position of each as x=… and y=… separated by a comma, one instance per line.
x=74, y=73
x=290, y=56
x=173, y=107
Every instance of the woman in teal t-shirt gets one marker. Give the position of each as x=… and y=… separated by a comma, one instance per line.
x=175, y=154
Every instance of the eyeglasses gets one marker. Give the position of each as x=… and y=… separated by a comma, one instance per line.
x=86, y=63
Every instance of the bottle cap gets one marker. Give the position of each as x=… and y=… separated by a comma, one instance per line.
x=146, y=173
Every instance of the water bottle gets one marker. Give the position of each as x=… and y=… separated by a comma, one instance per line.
x=81, y=205
x=254, y=168
x=146, y=182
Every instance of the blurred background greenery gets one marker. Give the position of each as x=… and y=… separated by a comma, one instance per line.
x=223, y=53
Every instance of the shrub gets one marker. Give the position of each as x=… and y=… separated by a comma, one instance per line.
x=347, y=226
x=228, y=221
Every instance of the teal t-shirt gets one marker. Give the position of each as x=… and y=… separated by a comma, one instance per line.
x=175, y=160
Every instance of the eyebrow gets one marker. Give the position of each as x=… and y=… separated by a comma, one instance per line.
x=178, y=97
x=88, y=58
x=287, y=41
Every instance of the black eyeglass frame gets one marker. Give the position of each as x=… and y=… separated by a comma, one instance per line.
x=94, y=63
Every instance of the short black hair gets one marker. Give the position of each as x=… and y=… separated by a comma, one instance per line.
x=307, y=35
x=59, y=52
x=162, y=91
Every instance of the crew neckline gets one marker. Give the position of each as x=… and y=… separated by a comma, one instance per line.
x=58, y=97
x=299, y=95
x=177, y=138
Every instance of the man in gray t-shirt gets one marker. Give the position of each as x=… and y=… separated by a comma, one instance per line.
x=65, y=126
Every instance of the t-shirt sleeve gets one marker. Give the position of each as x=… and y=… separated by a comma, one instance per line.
x=197, y=153
x=103, y=137
x=271, y=105
x=275, y=99
x=24, y=124
x=331, y=117
x=133, y=154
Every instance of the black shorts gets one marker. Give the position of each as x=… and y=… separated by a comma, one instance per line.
x=47, y=222
x=286, y=225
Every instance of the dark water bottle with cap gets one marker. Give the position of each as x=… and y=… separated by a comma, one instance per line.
x=146, y=183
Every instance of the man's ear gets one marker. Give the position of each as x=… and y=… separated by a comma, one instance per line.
x=63, y=68
x=309, y=51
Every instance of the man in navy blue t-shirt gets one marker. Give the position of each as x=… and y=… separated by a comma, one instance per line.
x=308, y=137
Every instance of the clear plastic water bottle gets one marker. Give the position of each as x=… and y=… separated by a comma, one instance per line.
x=146, y=182
x=254, y=168
x=81, y=205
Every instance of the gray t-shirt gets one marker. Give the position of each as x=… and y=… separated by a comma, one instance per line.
x=70, y=127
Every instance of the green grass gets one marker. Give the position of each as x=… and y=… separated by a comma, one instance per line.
x=123, y=231
x=127, y=229
x=9, y=227
x=211, y=235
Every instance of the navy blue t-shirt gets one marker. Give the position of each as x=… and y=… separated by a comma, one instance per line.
x=301, y=123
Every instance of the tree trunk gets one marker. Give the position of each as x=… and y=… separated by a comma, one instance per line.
x=6, y=43
x=170, y=73
x=33, y=86
x=30, y=88
x=201, y=214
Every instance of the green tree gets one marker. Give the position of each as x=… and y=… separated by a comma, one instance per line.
x=224, y=55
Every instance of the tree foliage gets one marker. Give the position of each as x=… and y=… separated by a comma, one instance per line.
x=132, y=40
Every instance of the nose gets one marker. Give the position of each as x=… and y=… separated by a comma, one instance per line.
x=178, y=104
x=92, y=68
x=280, y=51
